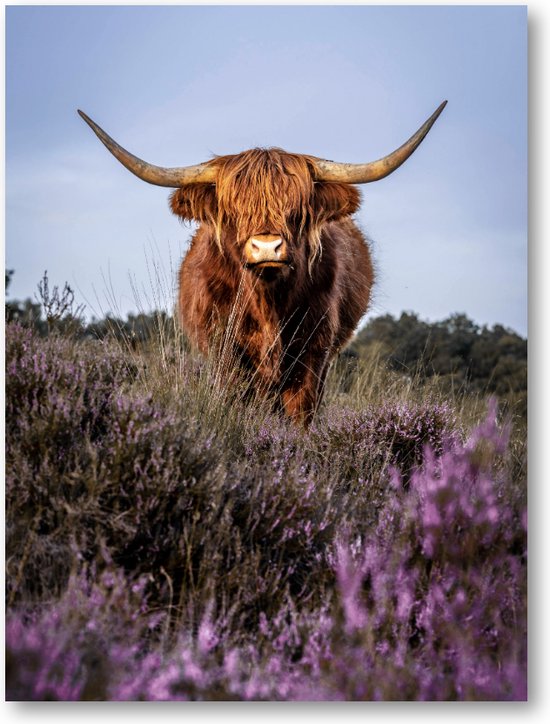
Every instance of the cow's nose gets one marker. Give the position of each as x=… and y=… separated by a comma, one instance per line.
x=264, y=248
x=269, y=248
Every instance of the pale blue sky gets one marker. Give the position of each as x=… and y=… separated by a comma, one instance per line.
x=175, y=85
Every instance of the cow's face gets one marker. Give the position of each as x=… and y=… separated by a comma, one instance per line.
x=266, y=210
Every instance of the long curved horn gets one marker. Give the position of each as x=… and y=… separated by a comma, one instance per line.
x=171, y=177
x=362, y=173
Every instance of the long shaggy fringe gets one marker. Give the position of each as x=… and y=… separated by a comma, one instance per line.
x=256, y=189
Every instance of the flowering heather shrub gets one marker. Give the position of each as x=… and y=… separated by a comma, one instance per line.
x=58, y=398
x=149, y=482
x=96, y=631
x=434, y=599
x=394, y=433
x=154, y=556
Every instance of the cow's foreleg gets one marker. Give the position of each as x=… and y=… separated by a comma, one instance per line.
x=302, y=391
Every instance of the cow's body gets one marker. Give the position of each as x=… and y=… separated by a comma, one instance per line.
x=287, y=332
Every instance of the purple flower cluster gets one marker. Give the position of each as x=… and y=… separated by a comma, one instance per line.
x=434, y=601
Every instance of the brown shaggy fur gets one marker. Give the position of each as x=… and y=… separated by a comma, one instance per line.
x=285, y=325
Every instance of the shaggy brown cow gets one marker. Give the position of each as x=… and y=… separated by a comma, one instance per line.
x=277, y=267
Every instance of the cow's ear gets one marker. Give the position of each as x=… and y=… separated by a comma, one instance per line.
x=333, y=201
x=196, y=202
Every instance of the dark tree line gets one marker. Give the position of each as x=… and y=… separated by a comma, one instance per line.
x=478, y=359
x=54, y=309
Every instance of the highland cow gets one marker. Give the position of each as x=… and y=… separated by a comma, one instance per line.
x=277, y=270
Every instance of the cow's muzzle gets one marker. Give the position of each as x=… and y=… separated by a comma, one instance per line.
x=265, y=250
